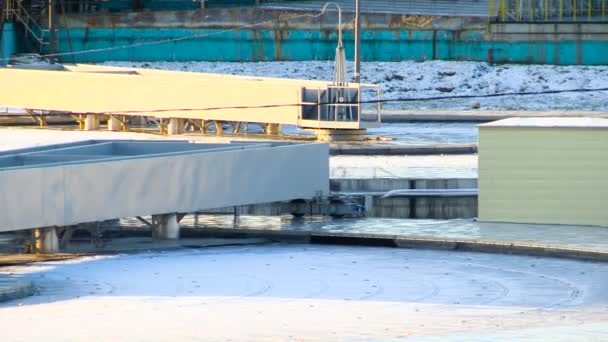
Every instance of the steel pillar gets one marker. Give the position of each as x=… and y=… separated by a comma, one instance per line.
x=273, y=129
x=175, y=126
x=47, y=241
x=165, y=227
x=357, y=77
x=91, y=122
x=114, y=123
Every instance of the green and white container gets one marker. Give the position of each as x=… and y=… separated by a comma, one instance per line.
x=544, y=170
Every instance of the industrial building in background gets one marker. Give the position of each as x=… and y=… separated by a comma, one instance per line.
x=565, y=32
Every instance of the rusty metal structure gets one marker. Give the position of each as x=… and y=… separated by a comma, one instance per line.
x=564, y=32
x=549, y=11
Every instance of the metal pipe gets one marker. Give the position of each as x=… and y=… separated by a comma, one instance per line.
x=357, y=42
x=431, y=193
x=339, y=18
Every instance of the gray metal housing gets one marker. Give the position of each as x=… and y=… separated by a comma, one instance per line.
x=98, y=180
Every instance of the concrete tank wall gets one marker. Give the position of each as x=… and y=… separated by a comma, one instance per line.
x=385, y=37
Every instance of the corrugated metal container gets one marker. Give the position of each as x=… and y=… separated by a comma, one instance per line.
x=544, y=170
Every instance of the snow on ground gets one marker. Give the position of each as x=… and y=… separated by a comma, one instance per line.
x=304, y=292
x=411, y=79
x=439, y=166
x=15, y=138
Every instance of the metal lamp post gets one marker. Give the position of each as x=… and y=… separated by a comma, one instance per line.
x=340, y=63
x=357, y=43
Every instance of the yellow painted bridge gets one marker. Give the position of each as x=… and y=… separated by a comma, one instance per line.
x=101, y=90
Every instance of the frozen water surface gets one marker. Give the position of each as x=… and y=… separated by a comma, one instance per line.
x=303, y=292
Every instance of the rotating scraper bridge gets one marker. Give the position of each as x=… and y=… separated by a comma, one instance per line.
x=59, y=186
x=176, y=98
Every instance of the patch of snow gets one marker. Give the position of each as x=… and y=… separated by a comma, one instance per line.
x=17, y=138
x=410, y=79
x=436, y=166
x=550, y=122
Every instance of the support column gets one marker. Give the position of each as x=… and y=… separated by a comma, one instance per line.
x=175, y=126
x=91, y=122
x=369, y=203
x=47, y=241
x=165, y=227
x=113, y=123
x=273, y=129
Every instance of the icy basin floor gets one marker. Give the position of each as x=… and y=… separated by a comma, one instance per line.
x=282, y=292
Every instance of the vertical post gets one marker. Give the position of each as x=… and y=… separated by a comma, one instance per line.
x=357, y=42
x=47, y=241
x=113, y=123
x=175, y=126
x=318, y=104
x=273, y=129
x=530, y=10
x=165, y=227
x=52, y=37
x=91, y=122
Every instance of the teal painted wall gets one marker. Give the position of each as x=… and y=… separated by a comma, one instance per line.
x=297, y=44
x=8, y=42
x=119, y=5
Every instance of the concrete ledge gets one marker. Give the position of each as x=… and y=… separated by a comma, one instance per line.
x=396, y=150
x=503, y=247
x=395, y=116
x=12, y=288
x=413, y=242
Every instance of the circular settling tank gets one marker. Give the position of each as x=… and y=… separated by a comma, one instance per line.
x=307, y=292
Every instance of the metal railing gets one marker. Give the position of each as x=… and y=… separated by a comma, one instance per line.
x=538, y=11
x=342, y=103
x=15, y=11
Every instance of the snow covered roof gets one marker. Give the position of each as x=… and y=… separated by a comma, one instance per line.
x=550, y=122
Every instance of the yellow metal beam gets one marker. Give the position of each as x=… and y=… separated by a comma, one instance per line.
x=149, y=93
x=92, y=89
